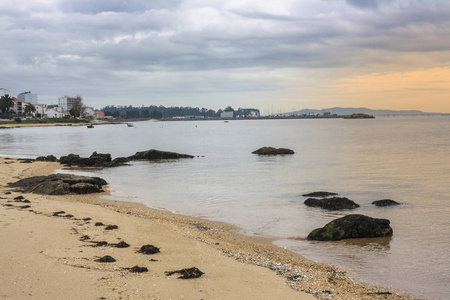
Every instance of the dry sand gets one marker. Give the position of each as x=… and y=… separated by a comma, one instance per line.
x=43, y=256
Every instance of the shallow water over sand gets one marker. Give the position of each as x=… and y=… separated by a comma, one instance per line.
x=401, y=158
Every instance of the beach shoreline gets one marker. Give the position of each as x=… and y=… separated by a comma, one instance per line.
x=59, y=263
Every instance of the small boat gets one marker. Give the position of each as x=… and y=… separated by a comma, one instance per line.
x=90, y=126
x=130, y=124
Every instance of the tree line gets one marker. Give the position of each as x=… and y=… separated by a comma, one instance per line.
x=162, y=112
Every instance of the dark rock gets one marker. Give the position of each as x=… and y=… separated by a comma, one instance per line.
x=335, y=203
x=99, y=224
x=120, y=160
x=121, y=244
x=59, y=184
x=149, y=249
x=85, y=188
x=153, y=154
x=385, y=202
x=95, y=160
x=98, y=243
x=187, y=273
x=100, y=158
x=87, y=219
x=7, y=193
x=272, y=151
x=19, y=198
x=48, y=158
x=111, y=227
x=352, y=227
x=57, y=213
x=106, y=259
x=320, y=194
x=84, y=238
x=24, y=206
x=69, y=159
x=27, y=161
x=137, y=269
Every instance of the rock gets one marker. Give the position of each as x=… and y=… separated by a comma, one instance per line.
x=26, y=161
x=121, y=244
x=106, y=259
x=385, y=202
x=335, y=203
x=137, y=269
x=153, y=154
x=149, y=249
x=49, y=158
x=187, y=273
x=60, y=184
x=69, y=159
x=95, y=160
x=273, y=151
x=352, y=227
x=320, y=194
x=111, y=227
x=84, y=188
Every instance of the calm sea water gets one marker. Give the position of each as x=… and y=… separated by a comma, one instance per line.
x=406, y=159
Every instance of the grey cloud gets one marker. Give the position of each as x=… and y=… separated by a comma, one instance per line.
x=100, y=6
x=363, y=3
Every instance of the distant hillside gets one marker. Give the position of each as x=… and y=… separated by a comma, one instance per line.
x=351, y=110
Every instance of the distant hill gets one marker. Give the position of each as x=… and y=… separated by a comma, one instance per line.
x=351, y=110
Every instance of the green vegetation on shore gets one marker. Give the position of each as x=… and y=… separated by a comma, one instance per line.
x=45, y=121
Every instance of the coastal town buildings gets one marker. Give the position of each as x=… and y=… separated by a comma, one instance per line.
x=42, y=110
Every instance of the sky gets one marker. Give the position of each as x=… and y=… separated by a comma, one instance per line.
x=277, y=56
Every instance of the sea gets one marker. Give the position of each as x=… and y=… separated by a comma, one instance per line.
x=406, y=159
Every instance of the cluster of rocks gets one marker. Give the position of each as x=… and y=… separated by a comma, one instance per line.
x=101, y=160
x=350, y=226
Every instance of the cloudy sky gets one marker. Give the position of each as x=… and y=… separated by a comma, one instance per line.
x=279, y=55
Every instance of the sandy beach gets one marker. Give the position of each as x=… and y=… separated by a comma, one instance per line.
x=53, y=256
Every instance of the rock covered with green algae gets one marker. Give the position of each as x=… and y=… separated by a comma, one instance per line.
x=352, y=227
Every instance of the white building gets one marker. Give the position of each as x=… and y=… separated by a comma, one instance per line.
x=65, y=102
x=53, y=113
x=227, y=114
x=4, y=92
x=89, y=112
x=28, y=97
x=41, y=109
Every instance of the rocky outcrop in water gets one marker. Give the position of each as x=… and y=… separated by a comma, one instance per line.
x=385, y=202
x=335, y=203
x=60, y=184
x=153, y=154
x=273, y=151
x=95, y=160
x=352, y=227
x=100, y=160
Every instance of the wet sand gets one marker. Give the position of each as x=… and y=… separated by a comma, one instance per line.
x=52, y=257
